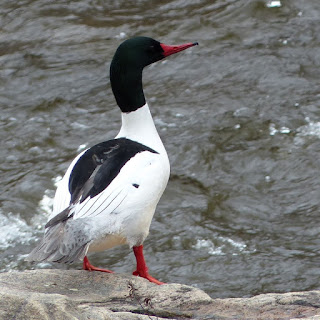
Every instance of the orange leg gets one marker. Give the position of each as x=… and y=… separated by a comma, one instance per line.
x=142, y=269
x=88, y=266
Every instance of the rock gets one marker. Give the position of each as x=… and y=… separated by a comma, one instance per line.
x=75, y=294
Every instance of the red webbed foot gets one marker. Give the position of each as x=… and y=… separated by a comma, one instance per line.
x=88, y=266
x=142, y=269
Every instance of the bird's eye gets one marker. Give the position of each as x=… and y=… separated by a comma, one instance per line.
x=151, y=49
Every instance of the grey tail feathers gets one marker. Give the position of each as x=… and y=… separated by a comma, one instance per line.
x=55, y=246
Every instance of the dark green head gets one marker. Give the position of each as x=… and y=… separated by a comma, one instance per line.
x=138, y=52
x=127, y=65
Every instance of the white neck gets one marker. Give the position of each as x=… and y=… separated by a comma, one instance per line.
x=139, y=126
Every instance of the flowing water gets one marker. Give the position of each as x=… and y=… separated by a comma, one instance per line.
x=239, y=115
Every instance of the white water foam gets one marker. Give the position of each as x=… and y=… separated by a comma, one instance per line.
x=225, y=246
x=209, y=246
x=310, y=130
x=13, y=230
x=46, y=203
x=274, y=4
x=273, y=130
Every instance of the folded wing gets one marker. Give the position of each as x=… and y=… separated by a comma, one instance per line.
x=95, y=190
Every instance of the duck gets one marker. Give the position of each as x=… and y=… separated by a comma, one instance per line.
x=110, y=191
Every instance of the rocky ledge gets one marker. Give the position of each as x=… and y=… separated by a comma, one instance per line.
x=75, y=294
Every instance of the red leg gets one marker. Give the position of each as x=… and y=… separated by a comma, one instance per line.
x=142, y=269
x=88, y=266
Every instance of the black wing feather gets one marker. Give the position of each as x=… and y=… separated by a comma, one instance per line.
x=99, y=165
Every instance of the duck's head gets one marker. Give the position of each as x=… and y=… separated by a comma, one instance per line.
x=127, y=64
x=139, y=52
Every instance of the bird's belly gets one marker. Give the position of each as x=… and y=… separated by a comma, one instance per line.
x=108, y=242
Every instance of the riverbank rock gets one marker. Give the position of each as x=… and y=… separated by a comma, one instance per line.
x=75, y=294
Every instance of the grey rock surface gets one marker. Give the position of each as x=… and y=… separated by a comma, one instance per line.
x=75, y=294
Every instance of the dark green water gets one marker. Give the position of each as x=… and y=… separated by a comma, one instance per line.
x=239, y=116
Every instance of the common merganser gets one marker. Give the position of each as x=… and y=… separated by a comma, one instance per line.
x=110, y=191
